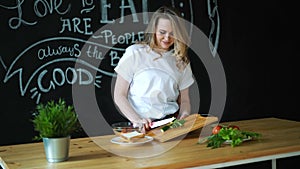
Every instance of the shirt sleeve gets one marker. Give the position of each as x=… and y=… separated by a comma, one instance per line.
x=125, y=67
x=187, y=78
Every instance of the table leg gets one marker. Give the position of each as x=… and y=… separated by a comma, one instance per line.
x=274, y=163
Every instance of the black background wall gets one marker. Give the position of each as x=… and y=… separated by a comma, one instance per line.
x=258, y=50
x=257, y=47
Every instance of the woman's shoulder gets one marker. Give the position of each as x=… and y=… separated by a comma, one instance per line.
x=137, y=47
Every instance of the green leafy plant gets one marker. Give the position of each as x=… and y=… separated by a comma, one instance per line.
x=235, y=136
x=54, y=120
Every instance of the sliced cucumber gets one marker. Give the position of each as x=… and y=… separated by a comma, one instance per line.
x=176, y=123
x=165, y=128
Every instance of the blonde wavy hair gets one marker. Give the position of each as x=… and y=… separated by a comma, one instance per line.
x=181, y=37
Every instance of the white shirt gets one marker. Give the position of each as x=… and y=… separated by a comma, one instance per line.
x=154, y=83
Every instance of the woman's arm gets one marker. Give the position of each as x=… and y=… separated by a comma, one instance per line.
x=185, y=105
x=121, y=100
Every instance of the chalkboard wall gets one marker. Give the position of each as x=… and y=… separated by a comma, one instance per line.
x=41, y=40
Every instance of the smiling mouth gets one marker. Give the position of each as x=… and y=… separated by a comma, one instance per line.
x=166, y=42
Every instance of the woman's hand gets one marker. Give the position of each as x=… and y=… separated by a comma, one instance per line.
x=183, y=115
x=147, y=123
x=143, y=125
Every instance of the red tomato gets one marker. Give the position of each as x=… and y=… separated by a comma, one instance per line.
x=216, y=129
x=234, y=127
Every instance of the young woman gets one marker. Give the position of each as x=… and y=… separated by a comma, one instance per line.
x=154, y=76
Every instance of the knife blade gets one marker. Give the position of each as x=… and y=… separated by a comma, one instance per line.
x=161, y=122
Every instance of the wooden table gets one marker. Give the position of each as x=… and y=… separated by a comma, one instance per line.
x=280, y=139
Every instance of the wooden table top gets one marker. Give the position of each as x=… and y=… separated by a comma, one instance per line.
x=278, y=136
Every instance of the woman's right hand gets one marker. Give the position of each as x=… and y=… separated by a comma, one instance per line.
x=143, y=125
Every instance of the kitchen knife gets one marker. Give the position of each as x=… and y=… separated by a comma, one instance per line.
x=161, y=122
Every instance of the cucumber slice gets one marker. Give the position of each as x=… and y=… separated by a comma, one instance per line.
x=165, y=128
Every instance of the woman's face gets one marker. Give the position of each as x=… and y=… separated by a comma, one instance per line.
x=164, y=34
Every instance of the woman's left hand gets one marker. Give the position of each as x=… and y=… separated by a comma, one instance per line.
x=183, y=115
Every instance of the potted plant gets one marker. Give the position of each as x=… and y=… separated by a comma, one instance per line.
x=55, y=122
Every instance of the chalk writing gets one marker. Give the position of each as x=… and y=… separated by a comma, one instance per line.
x=54, y=50
x=131, y=6
x=73, y=25
x=60, y=77
x=114, y=58
x=41, y=71
x=15, y=22
x=126, y=38
x=87, y=6
x=2, y=63
x=48, y=51
x=215, y=26
x=104, y=16
x=43, y=7
x=93, y=52
x=132, y=9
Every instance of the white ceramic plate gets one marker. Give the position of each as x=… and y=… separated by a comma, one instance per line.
x=120, y=141
x=245, y=139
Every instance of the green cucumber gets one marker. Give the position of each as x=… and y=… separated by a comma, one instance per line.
x=165, y=128
x=176, y=123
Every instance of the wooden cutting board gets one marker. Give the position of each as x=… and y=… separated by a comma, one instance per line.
x=193, y=122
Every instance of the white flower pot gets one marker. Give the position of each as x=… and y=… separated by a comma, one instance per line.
x=57, y=149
